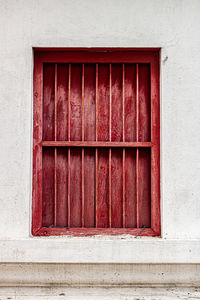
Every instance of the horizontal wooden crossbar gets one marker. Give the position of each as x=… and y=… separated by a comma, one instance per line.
x=95, y=144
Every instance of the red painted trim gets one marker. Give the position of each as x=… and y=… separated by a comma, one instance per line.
x=93, y=49
x=37, y=149
x=155, y=150
x=46, y=231
x=97, y=57
x=104, y=55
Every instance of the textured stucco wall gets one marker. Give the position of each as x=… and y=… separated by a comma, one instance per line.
x=173, y=25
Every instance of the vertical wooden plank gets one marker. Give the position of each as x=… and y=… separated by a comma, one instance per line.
x=48, y=102
x=83, y=100
x=75, y=154
x=143, y=162
x=76, y=102
x=55, y=186
x=48, y=187
x=131, y=107
x=89, y=187
x=124, y=187
x=76, y=160
x=96, y=101
x=110, y=187
x=55, y=104
x=130, y=171
x=137, y=188
x=117, y=188
x=37, y=148
x=83, y=187
x=75, y=187
x=62, y=188
x=144, y=188
x=89, y=135
x=155, y=150
x=124, y=153
x=130, y=102
x=137, y=102
x=48, y=154
x=62, y=154
x=82, y=163
x=103, y=102
x=69, y=188
x=96, y=187
x=131, y=132
x=144, y=133
x=110, y=153
x=123, y=103
x=110, y=102
x=137, y=150
x=69, y=104
x=103, y=189
x=69, y=154
x=62, y=102
x=55, y=149
x=89, y=102
x=116, y=115
x=96, y=150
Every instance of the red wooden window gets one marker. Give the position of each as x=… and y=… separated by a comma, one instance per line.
x=96, y=161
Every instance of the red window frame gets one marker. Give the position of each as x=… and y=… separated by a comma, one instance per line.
x=95, y=55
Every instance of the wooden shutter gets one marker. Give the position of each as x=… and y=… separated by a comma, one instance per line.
x=96, y=161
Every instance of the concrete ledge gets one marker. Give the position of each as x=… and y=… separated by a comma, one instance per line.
x=100, y=250
x=99, y=293
x=105, y=275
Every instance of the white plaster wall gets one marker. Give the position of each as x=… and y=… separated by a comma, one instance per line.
x=173, y=25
